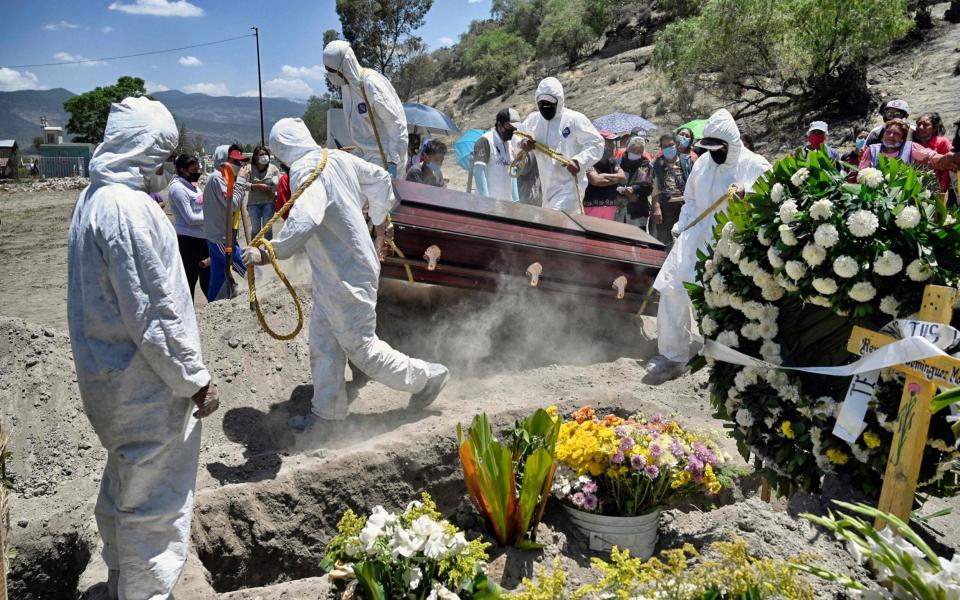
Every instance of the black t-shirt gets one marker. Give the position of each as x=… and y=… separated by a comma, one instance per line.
x=602, y=195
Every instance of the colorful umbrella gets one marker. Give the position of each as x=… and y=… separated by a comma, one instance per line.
x=623, y=123
x=463, y=147
x=421, y=116
x=696, y=126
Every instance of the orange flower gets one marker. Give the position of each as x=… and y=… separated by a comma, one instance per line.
x=584, y=414
x=612, y=420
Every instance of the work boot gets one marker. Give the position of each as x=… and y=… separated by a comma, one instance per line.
x=439, y=376
x=661, y=369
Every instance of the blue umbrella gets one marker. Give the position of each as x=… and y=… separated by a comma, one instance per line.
x=463, y=147
x=428, y=118
x=623, y=123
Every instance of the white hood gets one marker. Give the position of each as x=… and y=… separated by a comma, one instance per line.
x=220, y=155
x=721, y=125
x=290, y=140
x=140, y=135
x=553, y=87
x=339, y=55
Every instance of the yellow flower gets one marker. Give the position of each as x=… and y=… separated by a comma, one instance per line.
x=837, y=457
x=871, y=439
x=552, y=411
x=681, y=479
x=787, y=428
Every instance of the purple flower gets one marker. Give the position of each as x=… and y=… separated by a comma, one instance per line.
x=637, y=461
x=677, y=449
x=626, y=444
x=695, y=466
x=618, y=457
x=590, y=502
x=656, y=420
x=590, y=487
x=655, y=450
x=622, y=430
x=704, y=453
x=651, y=471
x=578, y=499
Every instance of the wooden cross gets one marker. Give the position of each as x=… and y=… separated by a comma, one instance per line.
x=913, y=418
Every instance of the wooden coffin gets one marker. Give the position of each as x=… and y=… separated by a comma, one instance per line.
x=490, y=245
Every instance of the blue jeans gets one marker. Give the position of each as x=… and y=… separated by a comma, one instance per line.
x=260, y=214
x=218, y=276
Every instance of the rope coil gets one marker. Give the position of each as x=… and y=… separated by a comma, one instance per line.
x=520, y=161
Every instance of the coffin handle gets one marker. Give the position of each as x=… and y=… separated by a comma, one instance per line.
x=432, y=255
x=534, y=271
x=620, y=284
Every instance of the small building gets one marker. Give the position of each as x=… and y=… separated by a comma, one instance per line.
x=9, y=159
x=71, y=159
x=50, y=133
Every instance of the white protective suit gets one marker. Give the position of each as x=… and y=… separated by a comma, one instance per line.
x=137, y=352
x=386, y=108
x=707, y=182
x=327, y=223
x=573, y=135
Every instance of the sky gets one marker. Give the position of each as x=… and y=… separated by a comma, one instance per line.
x=291, y=43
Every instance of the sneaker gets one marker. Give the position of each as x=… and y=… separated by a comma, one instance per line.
x=662, y=369
x=439, y=376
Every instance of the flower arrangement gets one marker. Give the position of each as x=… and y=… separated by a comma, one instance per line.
x=796, y=264
x=903, y=563
x=628, y=467
x=415, y=554
x=725, y=571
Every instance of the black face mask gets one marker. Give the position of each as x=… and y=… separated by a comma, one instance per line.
x=505, y=135
x=548, y=110
x=719, y=156
x=193, y=177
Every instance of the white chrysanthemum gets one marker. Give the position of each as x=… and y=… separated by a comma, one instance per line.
x=747, y=266
x=862, y=291
x=789, y=212
x=814, y=254
x=862, y=223
x=819, y=301
x=735, y=301
x=800, y=176
x=762, y=237
x=709, y=268
x=708, y=326
x=768, y=329
x=826, y=236
x=890, y=306
x=751, y=331
x=729, y=339
x=777, y=193
x=871, y=177
x=773, y=257
x=744, y=418
x=753, y=310
x=786, y=235
x=772, y=293
x=845, y=266
x=908, y=218
x=795, y=269
x=733, y=250
x=822, y=209
x=729, y=229
x=889, y=263
x=918, y=270
x=717, y=284
x=786, y=283
x=825, y=286
x=763, y=279
x=769, y=349
x=769, y=313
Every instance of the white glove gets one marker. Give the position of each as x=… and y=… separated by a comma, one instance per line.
x=254, y=256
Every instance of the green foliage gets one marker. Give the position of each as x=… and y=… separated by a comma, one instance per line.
x=565, y=30
x=380, y=31
x=89, y=111
x=522, y=17
x=37, y=142
x=786, y=50
x=315, y=117
x=495, y=57
x=417, y=73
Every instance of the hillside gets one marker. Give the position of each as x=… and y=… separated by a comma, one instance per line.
x=219, y=119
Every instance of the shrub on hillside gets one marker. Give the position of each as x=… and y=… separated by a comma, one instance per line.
x=495, y=57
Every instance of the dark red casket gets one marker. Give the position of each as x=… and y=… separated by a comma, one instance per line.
x=488, y=244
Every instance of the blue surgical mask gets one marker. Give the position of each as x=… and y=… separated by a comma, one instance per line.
x=861, y=142
x=670, y=152
x=892, y=146
x=684, y=141
x=433, y=167
x=634, y=156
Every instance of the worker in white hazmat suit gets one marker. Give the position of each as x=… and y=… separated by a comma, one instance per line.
x=569, y=133
x=327, y=223
x=137, y=353
x=492, y=155
x=371, y=108
x=728, y=163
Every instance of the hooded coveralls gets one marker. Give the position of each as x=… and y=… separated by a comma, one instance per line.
x=387, y=108
x=707, y=182
x=137, y=352
x=327, y=223
x=571, y=134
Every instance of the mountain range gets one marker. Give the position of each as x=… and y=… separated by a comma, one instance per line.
x=219, y=119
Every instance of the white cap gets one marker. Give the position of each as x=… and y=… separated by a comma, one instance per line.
x=899, y=105
x=818, y=126
x=547, y=97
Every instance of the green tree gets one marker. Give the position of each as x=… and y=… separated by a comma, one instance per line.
x=522, y=17
x=37, y=142
x=183, y=141
x=315, y=117
x=379, y=30
x=769, y=54
x=418, y=72
x=564, y=30
x=495, y=57
x=89, y=111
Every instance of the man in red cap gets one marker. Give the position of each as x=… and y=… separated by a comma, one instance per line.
x=600, y=197
x=215, y=214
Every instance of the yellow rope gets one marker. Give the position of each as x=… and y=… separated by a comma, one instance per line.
x=523, y=156
x=261, y=241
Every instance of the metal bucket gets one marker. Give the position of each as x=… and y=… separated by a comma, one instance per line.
x=638, y=534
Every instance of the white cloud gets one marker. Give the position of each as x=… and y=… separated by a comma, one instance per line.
x=60, y=25
x=474, y=1
x=159, y=8
x=284, y=88
x=190, y=61
x=446, y=41
x=106, y=29
x=315, y=72
x=11, y=81
x=66, y=57
x=152, y=87
x=210, y=89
